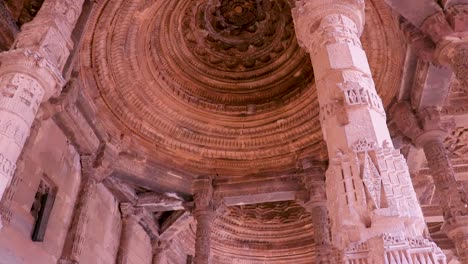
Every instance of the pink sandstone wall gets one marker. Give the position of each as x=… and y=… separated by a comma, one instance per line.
x=47, y=153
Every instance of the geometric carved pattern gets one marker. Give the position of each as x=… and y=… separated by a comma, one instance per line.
x=372, y=180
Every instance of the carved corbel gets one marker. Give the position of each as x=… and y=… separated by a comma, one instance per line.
x=100, y=165
x=423, y=126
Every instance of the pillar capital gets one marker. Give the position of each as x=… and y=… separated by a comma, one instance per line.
x=314, y=194
x=130, y=212
x=203, y=194
x=421, y=127
x=318, y=23
x=457, y=230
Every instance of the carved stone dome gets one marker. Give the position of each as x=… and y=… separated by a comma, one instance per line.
x=215, y=86
x=279, y=232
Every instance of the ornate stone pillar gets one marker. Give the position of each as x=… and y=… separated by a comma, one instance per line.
x=131, y=217
x=159, y=249
x=428, y=131
x=91, y=175
x=315, y=202
x=374, y=211
x=204, y=215
x=30, y=74
x=76, y=235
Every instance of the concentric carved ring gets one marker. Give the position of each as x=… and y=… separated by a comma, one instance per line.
x=215, y=85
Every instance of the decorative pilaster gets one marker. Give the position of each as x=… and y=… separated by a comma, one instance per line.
x=76, y=235
x=30, y=74
x=204, y=214
x=93, y=171
x=131, y=217
x=159, y=249
x=374, y=211
x=315, y=203
x=428, y=131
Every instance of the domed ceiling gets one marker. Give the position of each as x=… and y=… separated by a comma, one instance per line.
x=216, y=86
x=279, y=232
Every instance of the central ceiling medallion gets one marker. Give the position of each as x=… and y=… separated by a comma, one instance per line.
x=240, y=35
x=240, y=13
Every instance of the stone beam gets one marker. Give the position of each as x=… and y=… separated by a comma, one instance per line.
x=155, y=202
x=153, y=176
x=121, y=191
x=258, y=184
x=77, y=127
x=148, y=223
x=260, y=198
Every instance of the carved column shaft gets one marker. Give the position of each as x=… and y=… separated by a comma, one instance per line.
x=443, y=174
x=204, y=215
x=368, y=181
x=203, y=239
x=315, y=202
x=30, y=74
x=130, y=221
x=322, y=237
x=77, y=232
